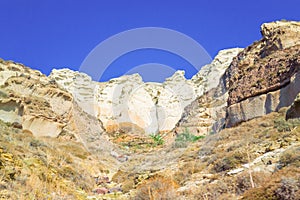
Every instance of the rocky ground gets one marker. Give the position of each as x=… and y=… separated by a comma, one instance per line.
x=263, y=152
x=224, y=134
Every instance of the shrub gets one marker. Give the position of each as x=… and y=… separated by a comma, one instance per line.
x=288, y=189
x=183, y=139
x=185, y=172
x=229, y=162
x=158, y=140
x=283, y=125
x=157, y=188
x=225, y=164
x=290, y=156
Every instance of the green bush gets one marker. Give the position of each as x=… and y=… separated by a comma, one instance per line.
x=158, y=140
x=183, y=139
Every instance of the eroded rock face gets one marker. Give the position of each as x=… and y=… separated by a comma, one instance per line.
x=32, y=100
x=80, y=86
x=11, y=110
x=264, y=77
x=294, y=111
x=127, y=103
x=207, y=113
x=209, y=75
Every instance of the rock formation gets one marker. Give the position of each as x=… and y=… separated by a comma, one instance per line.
x=99, y=149
x=32, y=100
x=260, y=79
x=127, y=103
x=294, y=110
x=264, y=77
x=80, y=86
x=207, y=113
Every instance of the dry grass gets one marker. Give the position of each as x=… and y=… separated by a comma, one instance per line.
x=43, y=168
x=230, y=148
x=283, y=184
x=157, y=188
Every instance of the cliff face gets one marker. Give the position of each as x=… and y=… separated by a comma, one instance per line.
x=97, y=144
x=207, y=113
x=31, y=101
x=127, y=103
x=264, y=77
x=266, y=65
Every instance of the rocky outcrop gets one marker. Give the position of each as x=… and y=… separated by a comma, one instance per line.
x=128, y=104
x=294, y=111
x=30, y=99
x=80, y=86
x=264, y=77
x=207, y=113
x=209, y=75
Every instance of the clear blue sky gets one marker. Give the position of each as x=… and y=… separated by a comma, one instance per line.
x=47, y=34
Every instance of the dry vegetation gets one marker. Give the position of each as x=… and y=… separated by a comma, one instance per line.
x=44, y=168
x=202, y=171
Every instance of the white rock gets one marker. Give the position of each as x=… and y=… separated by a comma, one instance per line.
x=209, y=75
x=129, y=102
x=80, y=85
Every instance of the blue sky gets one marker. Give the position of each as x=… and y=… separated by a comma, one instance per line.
x=61, y=33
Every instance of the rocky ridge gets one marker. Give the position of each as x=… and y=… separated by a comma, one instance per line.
x=127, y=103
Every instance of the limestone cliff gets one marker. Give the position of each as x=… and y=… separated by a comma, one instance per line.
x=260, y=79
x=127, y=103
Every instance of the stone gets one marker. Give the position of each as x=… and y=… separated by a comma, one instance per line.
x=294, y=110
x=80, y=85
x=101, y=190
x=127, y=103
x=31, y=102
x=264, y=77
x=209, y=75
x=206, y=114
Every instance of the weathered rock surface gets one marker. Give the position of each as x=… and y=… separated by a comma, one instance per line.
x=30, y=99
x=127, y=103
x=80, y=86
x=264, y=77
x=294, y=110
x=209, y=75
x=207, y=113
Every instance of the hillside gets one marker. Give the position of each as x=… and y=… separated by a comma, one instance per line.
x=230, y=132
